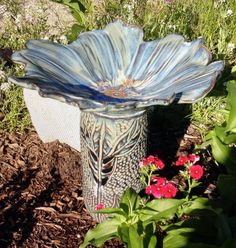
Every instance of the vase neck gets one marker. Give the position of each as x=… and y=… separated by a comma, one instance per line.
x=120, y=114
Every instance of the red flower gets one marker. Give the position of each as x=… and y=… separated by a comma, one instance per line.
x=169, y=190
x=193, y=158
x=196, y=171
x=182, y=160
x=153, y=160
x=157, y=190
x=148, y=190
x=159, y=164
x=100, y=206
x=149, y=160
x=159, y=180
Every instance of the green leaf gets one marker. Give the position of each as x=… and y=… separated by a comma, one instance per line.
x=231, y=100
x=224, y=154
x=230, y=138
x=117, y=211
x=227, y=189
x=181, y=238
x=74, y=32
x=136, y=240
x=123, y=232
x=224, y=231
x=201, y=204
x=129, y=235
x=152, y=242
x=130, y=201
x=102, y=232
x=160, y=209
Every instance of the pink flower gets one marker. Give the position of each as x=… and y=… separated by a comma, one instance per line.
x=99, y=206
x=153, y=160
x=159, y=180
x=193, y=158
x=196, y=171
x=159, y=164
x=148, y=190
x=169, y=190
x=149, y=160
x=157, y=190
x=182, y=160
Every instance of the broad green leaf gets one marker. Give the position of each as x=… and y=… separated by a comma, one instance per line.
x=123, y=232
x=224, y=154
x=160, y=209
x=101, y=233
x=150, y=240
x=230, y=138
x=130, y=236
x=117, y=211
x=136, y=240
x=204, y=226
x=200, y=203
x=181, y=238
x=74, y=32
x=233, y=70
x=227, y=189
x=162, y=204
x=152, y=243
x=224, y=231
x=231, y=100
x=130, y=201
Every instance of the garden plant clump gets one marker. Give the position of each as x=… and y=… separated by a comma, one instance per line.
x=188, y=200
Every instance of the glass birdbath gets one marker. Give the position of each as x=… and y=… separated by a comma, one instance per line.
x=113, y=76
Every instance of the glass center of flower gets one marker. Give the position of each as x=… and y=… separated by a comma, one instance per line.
x=123, y=90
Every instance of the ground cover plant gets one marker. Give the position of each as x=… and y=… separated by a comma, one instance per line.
x=41, y=201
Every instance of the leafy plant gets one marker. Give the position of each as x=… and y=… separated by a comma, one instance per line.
x=223, y=138
x=136, y=220
x=133, y=222
x=78, y=9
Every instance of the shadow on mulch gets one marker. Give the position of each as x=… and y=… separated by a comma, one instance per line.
x=41, y=202
x=17, y=212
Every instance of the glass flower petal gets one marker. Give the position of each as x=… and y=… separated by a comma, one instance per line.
x=114, y=68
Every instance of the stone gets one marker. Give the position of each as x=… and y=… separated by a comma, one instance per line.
x=54, y=120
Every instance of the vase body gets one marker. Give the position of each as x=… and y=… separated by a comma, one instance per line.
x=112, y=145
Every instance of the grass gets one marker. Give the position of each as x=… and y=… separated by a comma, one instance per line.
x=190, y=18
x=207, y=113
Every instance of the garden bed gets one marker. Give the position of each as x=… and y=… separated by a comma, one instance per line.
x=40, y=190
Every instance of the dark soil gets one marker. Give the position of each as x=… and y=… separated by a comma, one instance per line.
x=41, y=203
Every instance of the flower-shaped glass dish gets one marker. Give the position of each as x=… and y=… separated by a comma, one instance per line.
x=114, y=69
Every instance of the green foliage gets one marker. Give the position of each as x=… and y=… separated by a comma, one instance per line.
x=207, y=113
x=16, y=116
x=12, y=107
x=133, y=222
x=223, y=138
x=79, y=9
x=158, y=18
x=129, y=11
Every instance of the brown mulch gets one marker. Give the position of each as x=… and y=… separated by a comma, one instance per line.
x=41, y=203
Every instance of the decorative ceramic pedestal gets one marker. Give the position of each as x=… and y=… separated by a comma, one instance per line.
x=112, y=75
x=112, y=145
